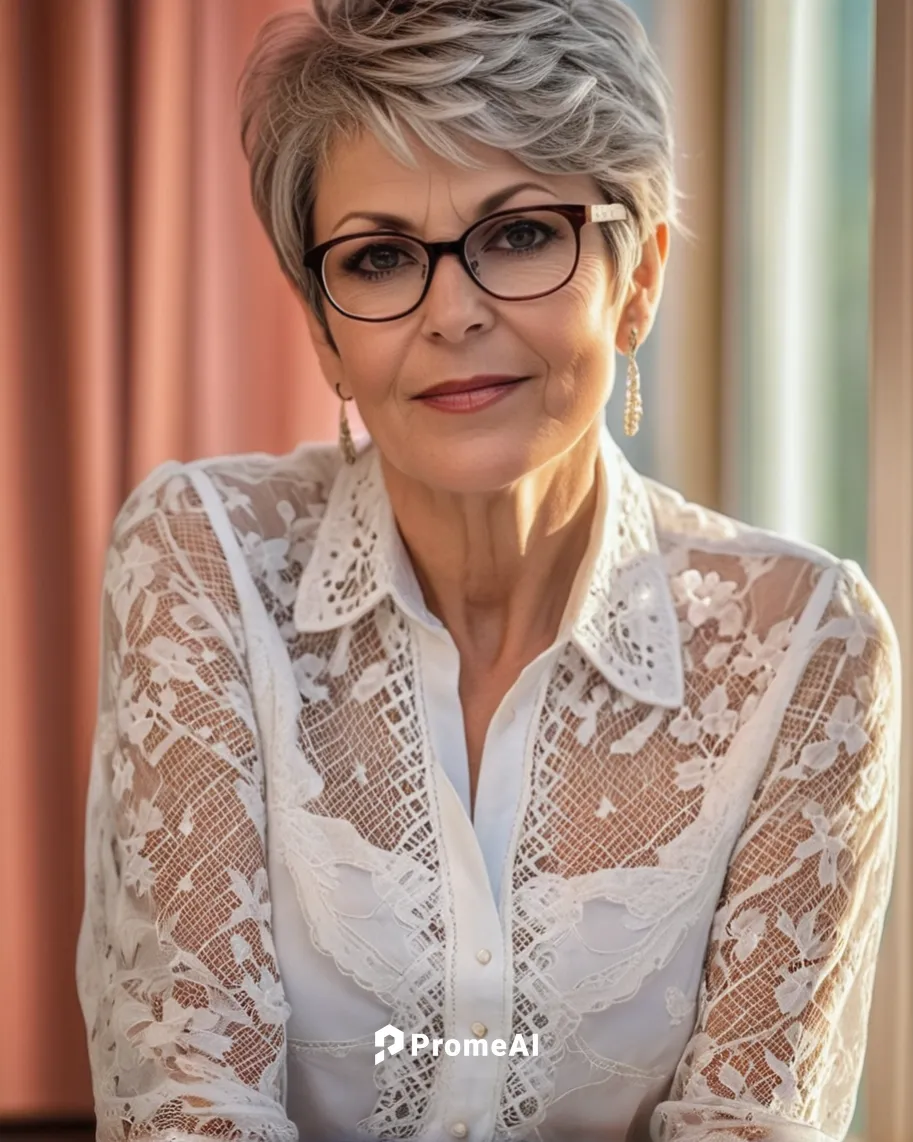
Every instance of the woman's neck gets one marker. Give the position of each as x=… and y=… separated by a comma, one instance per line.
x=497, y=568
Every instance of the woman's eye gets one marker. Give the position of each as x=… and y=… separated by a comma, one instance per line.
x=376, y=259
x=523, y=235
x=382, y=257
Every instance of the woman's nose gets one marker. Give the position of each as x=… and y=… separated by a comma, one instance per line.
x=454, y=302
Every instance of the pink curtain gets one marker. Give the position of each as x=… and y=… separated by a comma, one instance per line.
x=142, y=317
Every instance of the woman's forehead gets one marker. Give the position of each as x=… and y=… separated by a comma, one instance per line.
x=361, y=174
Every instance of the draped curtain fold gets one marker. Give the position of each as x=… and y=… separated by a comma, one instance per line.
x=142, y=317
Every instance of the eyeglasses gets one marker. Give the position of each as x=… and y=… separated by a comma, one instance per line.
x=514, y=255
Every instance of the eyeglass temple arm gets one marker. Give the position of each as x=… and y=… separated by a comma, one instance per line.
x=607, y=212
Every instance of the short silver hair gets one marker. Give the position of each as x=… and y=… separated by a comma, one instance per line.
x=564, y=86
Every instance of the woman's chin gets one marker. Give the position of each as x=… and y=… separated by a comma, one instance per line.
x=474, y=466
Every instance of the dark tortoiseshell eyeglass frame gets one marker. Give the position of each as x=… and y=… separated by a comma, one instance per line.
x=578, y=215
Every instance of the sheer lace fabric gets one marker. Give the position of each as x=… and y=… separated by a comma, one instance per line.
x=694, y=807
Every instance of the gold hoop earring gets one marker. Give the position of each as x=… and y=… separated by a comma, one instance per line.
x=634, y=407
x=346, y=443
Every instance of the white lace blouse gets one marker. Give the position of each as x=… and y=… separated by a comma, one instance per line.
x=675, y=877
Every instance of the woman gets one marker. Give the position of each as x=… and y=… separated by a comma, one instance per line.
x=472, y=734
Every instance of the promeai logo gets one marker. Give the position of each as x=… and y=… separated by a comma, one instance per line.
x=391, y=1041
x=397, y=1041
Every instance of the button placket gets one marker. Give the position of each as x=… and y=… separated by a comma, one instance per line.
x=470, y=1080
x=506, y=760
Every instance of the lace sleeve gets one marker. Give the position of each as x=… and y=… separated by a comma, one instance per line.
x=176, y=969
x=781, y=1028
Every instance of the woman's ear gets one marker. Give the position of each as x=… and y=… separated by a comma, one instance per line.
x=325, y=348
x=639, y=309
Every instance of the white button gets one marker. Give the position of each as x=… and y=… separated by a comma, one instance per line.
x=509, y=714
x=479, y=1030
x=483, y=955
x=459, y=1130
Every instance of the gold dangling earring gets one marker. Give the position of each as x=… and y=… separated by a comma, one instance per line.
x=346, y=443
x=634, y=407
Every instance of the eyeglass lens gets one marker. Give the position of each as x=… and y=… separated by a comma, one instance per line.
x=515, y=256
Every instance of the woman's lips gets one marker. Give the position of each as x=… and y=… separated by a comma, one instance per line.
x=471, y=400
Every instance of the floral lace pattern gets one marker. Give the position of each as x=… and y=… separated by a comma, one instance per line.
x=177, y=968
x=706, y=832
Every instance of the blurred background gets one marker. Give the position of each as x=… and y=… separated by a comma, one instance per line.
x=143, y=317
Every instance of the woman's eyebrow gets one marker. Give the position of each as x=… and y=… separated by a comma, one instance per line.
x=486, y=206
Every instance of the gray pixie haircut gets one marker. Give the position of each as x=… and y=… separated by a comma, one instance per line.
x=565, y=86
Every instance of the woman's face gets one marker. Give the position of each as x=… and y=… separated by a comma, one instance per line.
x=563, y=342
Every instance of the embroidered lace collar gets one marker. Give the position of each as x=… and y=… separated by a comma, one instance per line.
x=620, y=613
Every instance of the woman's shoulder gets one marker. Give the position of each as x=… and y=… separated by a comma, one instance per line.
x=773, y=576
x=263, y=492
x=258, y=491
x=255, y=513
x=682, y=523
